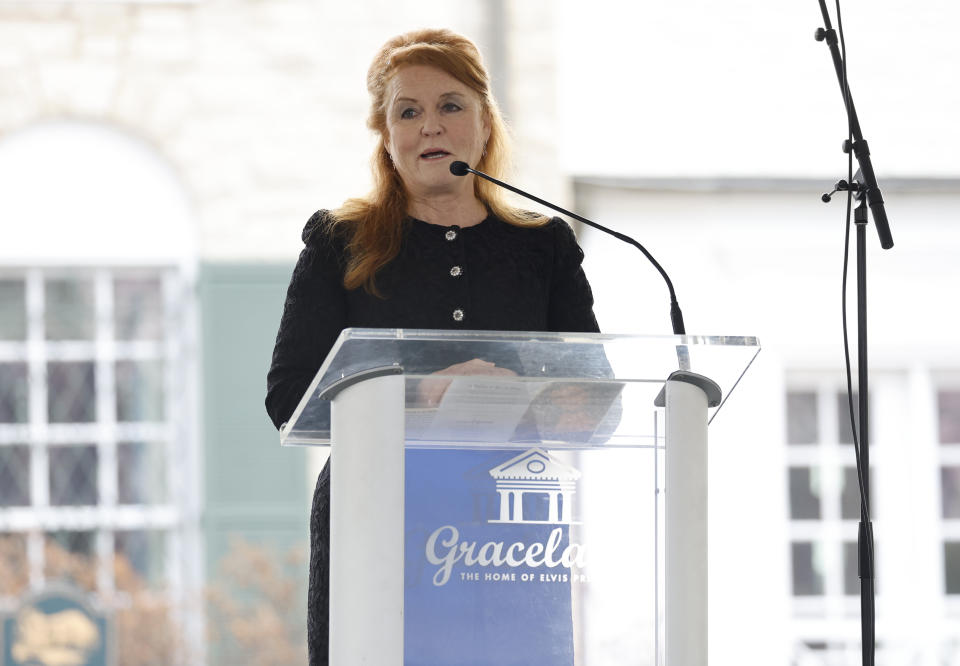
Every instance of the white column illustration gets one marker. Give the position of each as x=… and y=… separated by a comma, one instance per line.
x=554, y=516
x=504, y=504
x=535, y=471
x=518, y=506
x=567, y=496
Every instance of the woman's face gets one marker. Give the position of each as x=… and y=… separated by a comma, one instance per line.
x=432, y=121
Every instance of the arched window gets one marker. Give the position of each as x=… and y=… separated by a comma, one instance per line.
x=98, y=461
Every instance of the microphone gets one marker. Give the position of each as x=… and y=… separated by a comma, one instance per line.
x=676, y=317
x=461, y=169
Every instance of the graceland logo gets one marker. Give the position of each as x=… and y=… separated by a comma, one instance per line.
x=533, y=471
x=447, y=551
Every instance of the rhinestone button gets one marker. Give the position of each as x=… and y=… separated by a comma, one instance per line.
x=451, y=235
x=455, y=271
x=458, y=315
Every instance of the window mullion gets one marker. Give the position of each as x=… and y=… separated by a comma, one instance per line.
x=37, y=409
x=106, y=422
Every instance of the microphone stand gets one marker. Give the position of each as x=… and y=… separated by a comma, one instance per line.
x=865, y=553
x=860, y=148
x=867, y=193
x=676, y=316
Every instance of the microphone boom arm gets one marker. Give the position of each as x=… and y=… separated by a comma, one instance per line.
x=860, y=148
x=676, y=316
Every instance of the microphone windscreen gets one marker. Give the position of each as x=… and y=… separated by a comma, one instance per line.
x=459, y=168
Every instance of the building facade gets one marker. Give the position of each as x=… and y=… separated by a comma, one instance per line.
x=158, y=160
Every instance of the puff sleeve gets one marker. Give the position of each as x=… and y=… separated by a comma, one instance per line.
x=571, y=299
x=314, y=314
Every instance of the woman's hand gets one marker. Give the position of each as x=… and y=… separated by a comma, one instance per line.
x=430, y=391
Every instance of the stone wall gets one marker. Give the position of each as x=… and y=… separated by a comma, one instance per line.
x=259, y=106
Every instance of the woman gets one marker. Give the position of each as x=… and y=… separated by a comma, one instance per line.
x=426, y=249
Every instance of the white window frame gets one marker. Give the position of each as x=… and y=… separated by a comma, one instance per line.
x=177, y=515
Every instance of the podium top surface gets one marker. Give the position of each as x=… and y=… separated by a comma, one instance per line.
x=550, y=389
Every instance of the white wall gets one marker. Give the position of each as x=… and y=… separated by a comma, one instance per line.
x=768, y=263
x=90, y=193
x=741, y=88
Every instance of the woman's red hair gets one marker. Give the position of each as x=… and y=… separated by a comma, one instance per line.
x=376, y=222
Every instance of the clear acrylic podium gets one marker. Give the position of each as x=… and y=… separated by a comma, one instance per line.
x=553, y=514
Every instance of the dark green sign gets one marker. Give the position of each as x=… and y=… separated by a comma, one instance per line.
x=56, y=628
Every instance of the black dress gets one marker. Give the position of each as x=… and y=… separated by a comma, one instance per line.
x=491, y=276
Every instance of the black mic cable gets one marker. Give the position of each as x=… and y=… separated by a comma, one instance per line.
x=676, y=317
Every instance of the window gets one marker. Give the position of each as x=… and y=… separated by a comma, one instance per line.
x=948, y=429
x=948, y=408
x=73, y=475
x=951, y=559
x=13, y=392
x=13, y=310
x=807, y=561
x=804, y=493
x=844, y=431
x=824, y=514
x=71, y=392
x=14, y=475
x=87, y=441
x=824, y=494
x=802, y=417
x=950, y=491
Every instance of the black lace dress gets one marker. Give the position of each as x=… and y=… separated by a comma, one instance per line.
x=491, y=276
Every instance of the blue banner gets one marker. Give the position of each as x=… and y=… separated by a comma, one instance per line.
x=490, y=567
